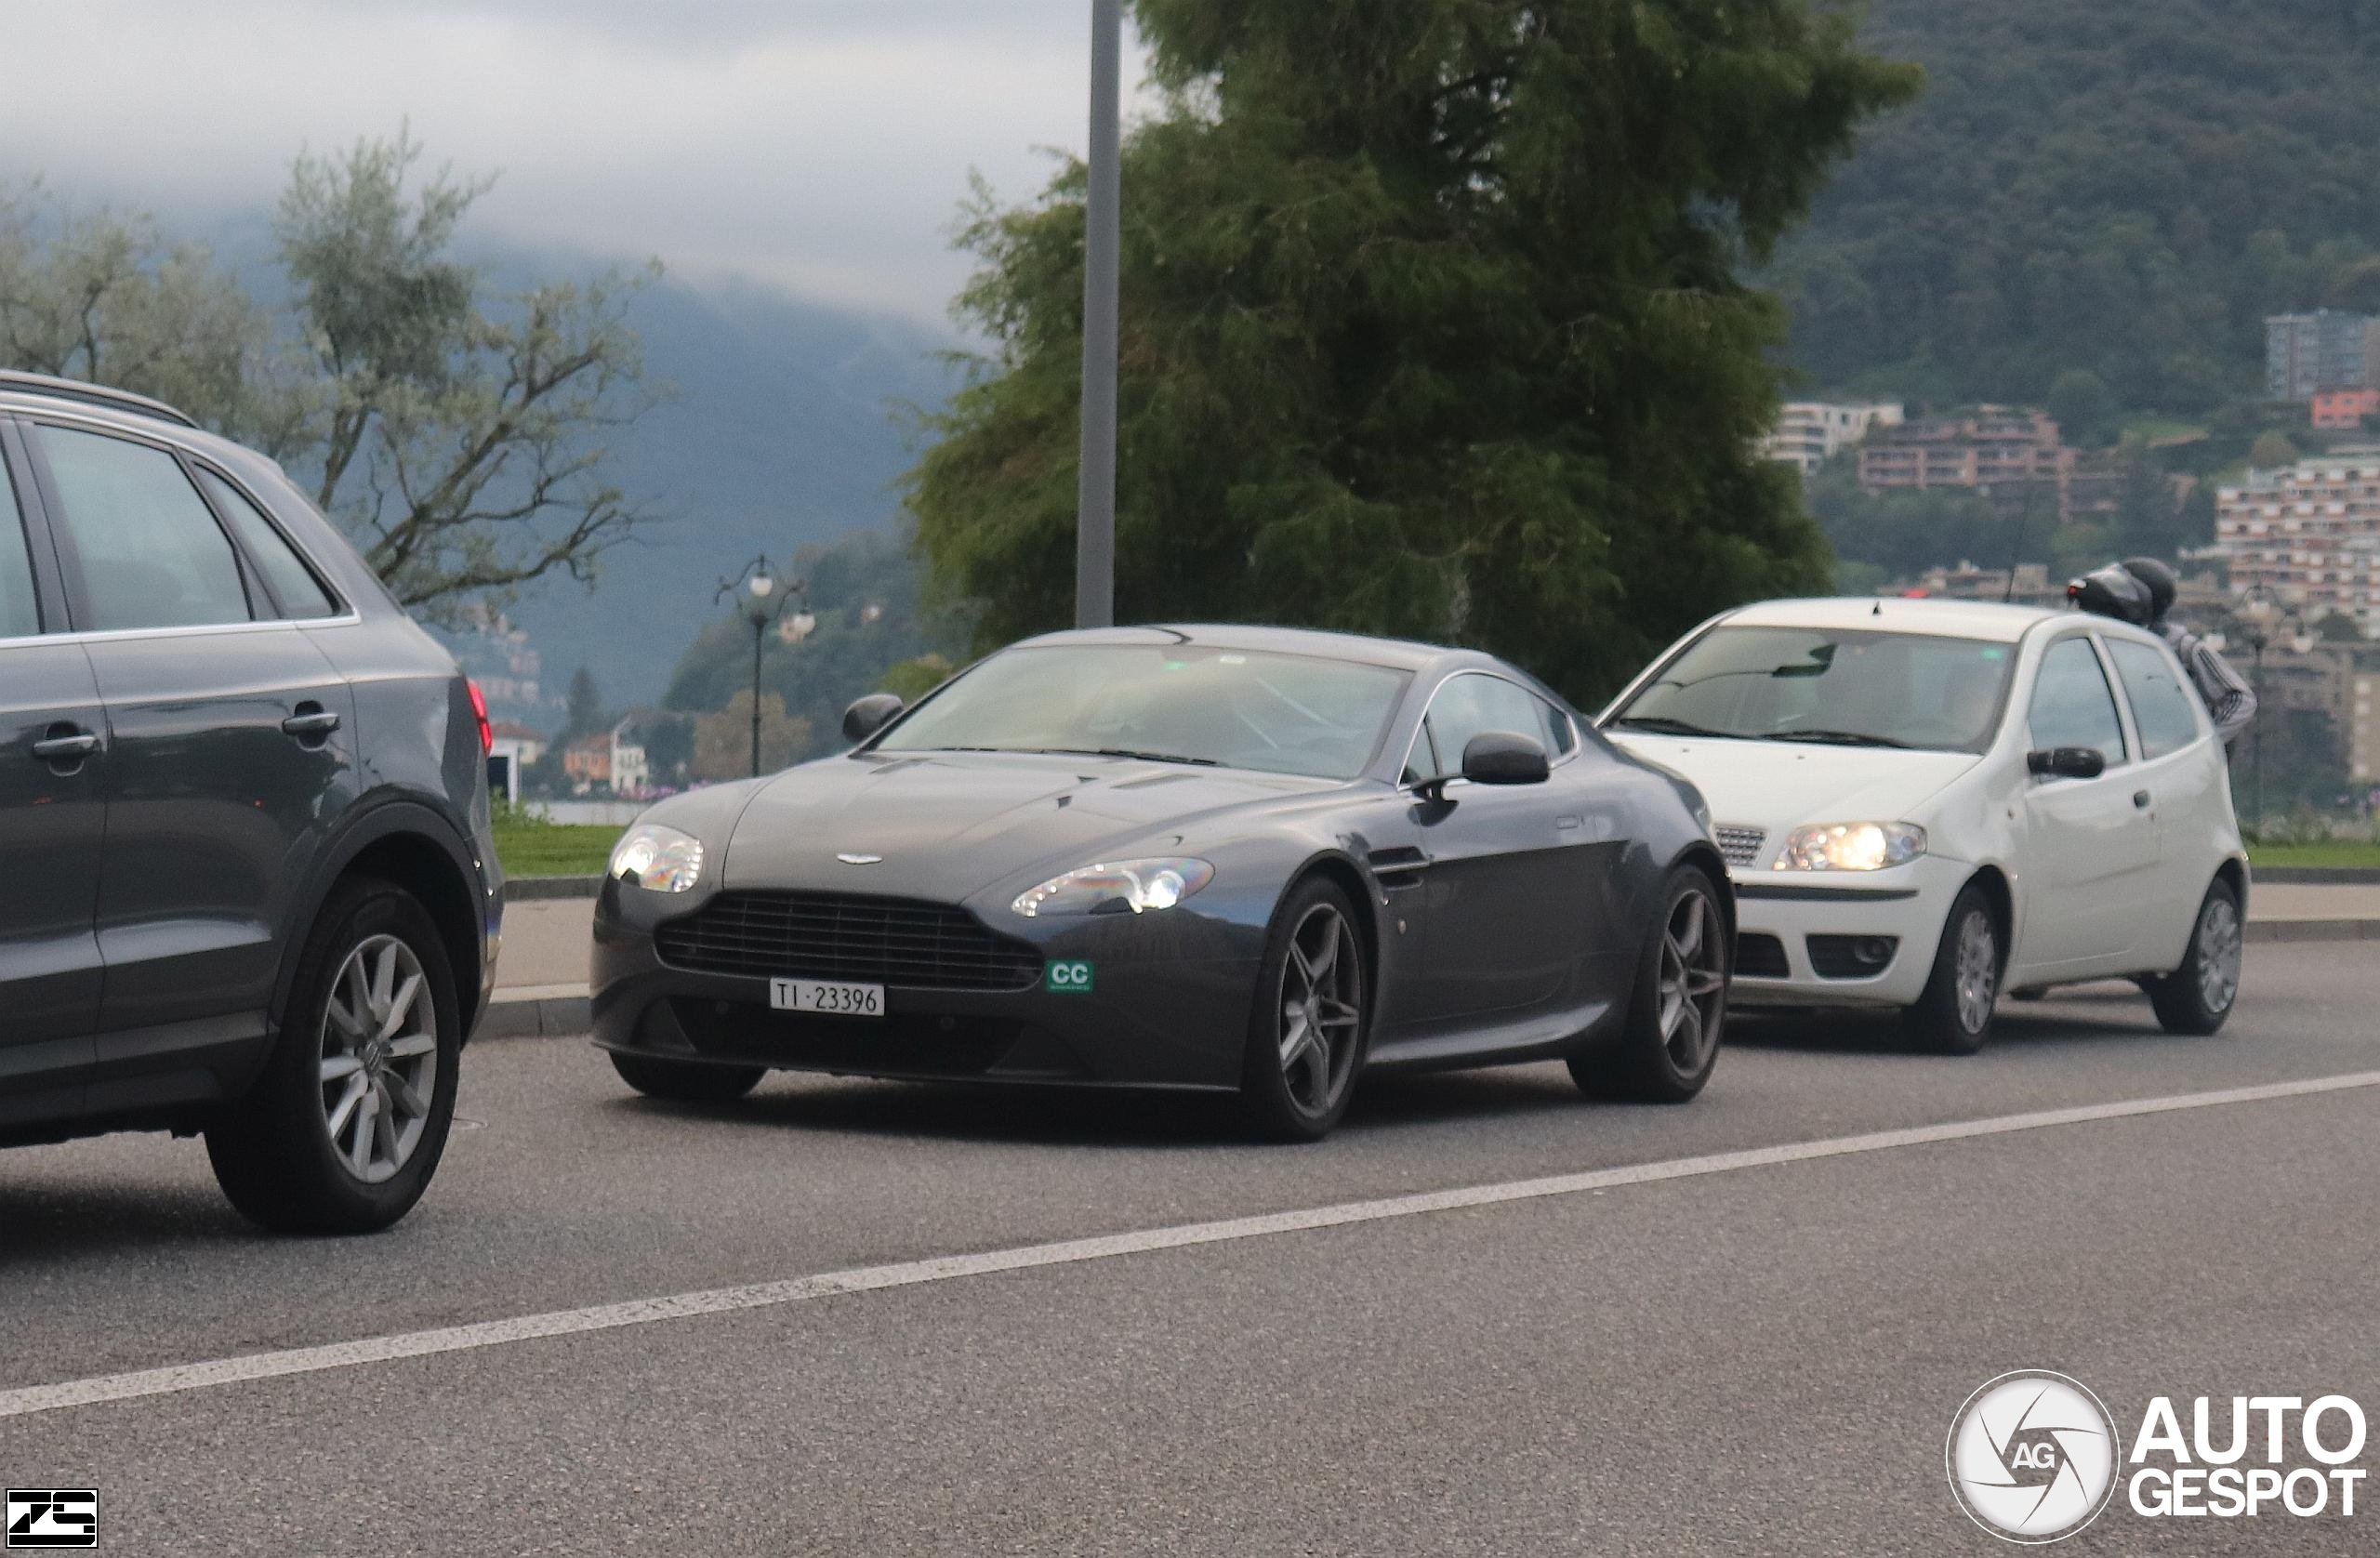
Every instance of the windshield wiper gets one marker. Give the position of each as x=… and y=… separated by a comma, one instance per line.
x=1126, y=752
x=1836, y=738
x=1667, y=726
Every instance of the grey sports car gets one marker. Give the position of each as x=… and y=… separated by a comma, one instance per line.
x=1235, y=859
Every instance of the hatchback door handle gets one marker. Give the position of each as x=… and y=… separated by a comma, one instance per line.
x=305, y=725
x=70, y=747
x=2140, y=800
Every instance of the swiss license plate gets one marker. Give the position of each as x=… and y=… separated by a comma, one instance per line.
x=819, y=996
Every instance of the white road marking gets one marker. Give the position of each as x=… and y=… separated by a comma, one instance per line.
x=180, y=1377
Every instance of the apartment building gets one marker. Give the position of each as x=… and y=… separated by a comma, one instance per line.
x=1811, y=433
x=2325, y=349
x=2002, y=454
x=2308, y=535
x=2343, y=410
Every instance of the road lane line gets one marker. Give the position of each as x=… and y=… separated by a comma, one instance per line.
x=180, y=1378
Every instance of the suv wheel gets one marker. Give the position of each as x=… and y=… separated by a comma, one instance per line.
x=342, y=1131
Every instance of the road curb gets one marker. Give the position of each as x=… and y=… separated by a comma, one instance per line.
x=547, y=1011
x=2316, y=876
x=2313, y=931
x=525, y=889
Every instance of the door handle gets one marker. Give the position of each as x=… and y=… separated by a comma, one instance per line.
x=2140, y=800
x=309, y=722
x=70, y=747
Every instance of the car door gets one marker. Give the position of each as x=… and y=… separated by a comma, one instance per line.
x=53, y=763
x=2181, y=773
x=231, y=744
x=1508, y=887
x=2090, y=849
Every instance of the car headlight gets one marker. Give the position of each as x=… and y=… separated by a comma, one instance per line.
x=1851, y=847
x=1136, y=886
x=657, y=859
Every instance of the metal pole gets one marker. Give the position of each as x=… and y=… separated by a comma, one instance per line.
x=1096, y=504
x=760, y=630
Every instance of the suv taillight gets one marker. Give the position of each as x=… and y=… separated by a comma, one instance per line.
x=479, y=712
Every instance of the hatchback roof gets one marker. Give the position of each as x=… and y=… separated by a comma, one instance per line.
x=1396, y=653
x=15, y=383
x=1883, y=614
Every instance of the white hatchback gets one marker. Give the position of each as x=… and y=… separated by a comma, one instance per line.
x=1922, y=803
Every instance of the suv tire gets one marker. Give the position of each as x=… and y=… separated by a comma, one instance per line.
x=338, y=1135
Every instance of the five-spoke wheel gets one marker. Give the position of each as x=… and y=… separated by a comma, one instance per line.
x=1306, y=1042
x=1670, y=1042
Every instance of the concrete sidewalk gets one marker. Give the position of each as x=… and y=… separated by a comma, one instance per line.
x=541, y=982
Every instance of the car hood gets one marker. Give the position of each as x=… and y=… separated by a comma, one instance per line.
x=948, y=825
x=1778, y=784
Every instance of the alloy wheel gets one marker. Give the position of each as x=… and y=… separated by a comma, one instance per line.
x=379, y=1058
x=1693, y=981
x=1321, y=1007
x=1978, y=971
x=2218, y=954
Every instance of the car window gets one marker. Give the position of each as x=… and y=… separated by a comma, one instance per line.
x=1851, y=687
x=152, y=555
x=20, y=614
x=300, y=593
x=1474, y=703
x=2072, y=705
x=2165, y=712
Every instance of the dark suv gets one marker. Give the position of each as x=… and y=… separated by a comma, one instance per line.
x=246, y=886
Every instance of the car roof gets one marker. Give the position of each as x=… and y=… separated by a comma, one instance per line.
x=1886, y=614
x=1396, y=653
x=85, y=396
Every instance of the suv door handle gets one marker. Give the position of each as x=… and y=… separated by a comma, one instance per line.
x=309, y=722
x=70, y=747
x=2140, y=800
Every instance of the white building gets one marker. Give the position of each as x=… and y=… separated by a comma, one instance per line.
x=1810, y=432
x=631, y=776
x=2308, y=534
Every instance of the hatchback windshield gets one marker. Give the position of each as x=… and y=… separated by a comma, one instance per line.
x=1843, y=688
x=1171, y=703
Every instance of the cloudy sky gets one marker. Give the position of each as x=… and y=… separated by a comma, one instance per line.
x=822, y=145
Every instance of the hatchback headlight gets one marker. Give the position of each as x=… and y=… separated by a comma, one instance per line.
x=657, y=859
x=1851, y=847
x=1134, y=886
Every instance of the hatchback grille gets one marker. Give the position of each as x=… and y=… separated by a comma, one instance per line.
x=1761, y=956
x=846, y=936
x=1740, y=846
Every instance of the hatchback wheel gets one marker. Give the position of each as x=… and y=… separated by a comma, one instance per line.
x=342, y=1131
x=1954, y=1015
x=1306, y=1042
x=1679, y=1011
x=2198, y=997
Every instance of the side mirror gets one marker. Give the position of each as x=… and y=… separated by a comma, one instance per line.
x=870, y=715
x=2067, y=762
x=1502, y=758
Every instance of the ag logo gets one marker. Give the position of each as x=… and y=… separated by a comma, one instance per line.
x=2033, y=1456
x=1067, y=976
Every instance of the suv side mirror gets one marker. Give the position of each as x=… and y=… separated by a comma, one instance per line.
x=869, y=715
x=1503, y=758
x=2067, y=762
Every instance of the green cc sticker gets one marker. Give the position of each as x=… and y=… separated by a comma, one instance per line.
x=1067, y=976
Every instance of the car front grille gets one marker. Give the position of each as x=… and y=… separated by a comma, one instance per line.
x=1761, y=956
x=1740, y=846
x=846, y=936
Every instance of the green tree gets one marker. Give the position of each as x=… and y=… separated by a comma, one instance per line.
x=2272, y=451
x=723, y=741
x=1432, y=325
x=585, y=702
x=2084, y=407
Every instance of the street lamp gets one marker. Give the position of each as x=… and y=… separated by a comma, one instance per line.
x=1095, y=496
x=2257, y=610
x=761, y=597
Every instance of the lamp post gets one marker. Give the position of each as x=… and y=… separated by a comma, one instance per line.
x=1095, y=497
x=761, y=597
x=2257, y=609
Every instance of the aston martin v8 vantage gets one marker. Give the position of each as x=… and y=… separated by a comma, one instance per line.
x=1239, y=860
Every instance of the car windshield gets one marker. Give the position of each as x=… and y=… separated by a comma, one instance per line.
x=1828, y=687
x=1171, y=703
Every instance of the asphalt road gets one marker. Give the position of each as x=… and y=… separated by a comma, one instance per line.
x=1759, y=1360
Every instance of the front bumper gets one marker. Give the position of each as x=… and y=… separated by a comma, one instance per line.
x=1169, y=1007
x=1907, y=903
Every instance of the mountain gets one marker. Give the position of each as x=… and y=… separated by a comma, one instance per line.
x=2127, y=189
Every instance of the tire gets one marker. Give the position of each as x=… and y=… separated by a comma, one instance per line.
x=306, y=1151
x=1954, y=1015
x=686, y=1081
x=1312, y=1020
x=1677, y=1013
x=2198, y=997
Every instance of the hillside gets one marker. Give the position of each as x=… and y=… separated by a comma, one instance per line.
x=2123, y=189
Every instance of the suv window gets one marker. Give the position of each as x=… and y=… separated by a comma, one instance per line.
x=300, y=593
x=2072, y=705
x=20, y=614
x=152, y=555
x=2164, y=710
x=1476, y=703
